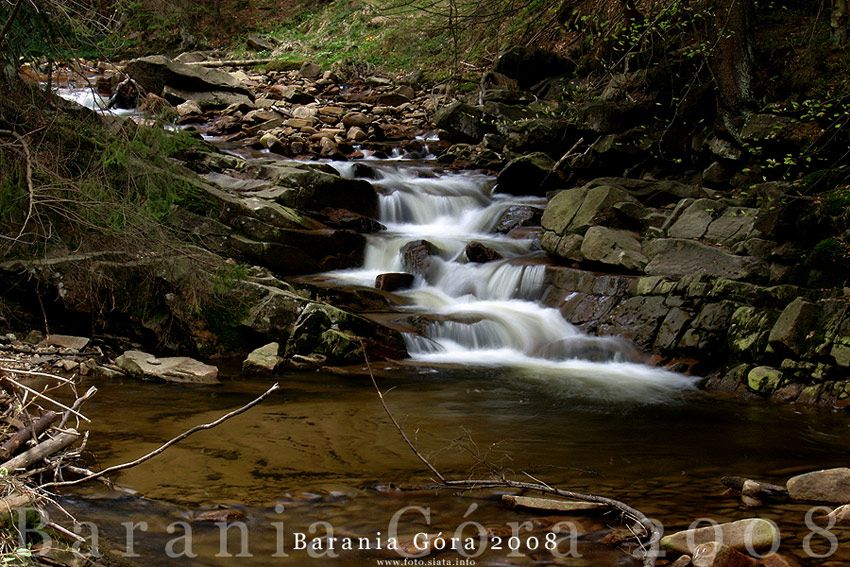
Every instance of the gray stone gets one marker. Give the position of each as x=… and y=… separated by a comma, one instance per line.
x=671, y=328
x=734, y=225
x=172, y=369
x=207, y=100
x=310, y=70
x=613, y=247
x=561, y=210
x=597, y=207
x=259, y=43
x=831, y=485
x=695, y=220
x=153, y=73
x=756, y=533
x=65, y=341
x=263, y=359
x=680, y=257
x=551, y=504
x=569, y=248
x=716, y=554
x=792, y=327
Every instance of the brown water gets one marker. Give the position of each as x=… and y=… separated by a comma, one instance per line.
x=322, y=450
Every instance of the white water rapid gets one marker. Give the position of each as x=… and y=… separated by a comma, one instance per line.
x=488, y=315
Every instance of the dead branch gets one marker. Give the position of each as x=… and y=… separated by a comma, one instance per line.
x=33, y=430
x=6, y=380
x=77, y=404
x=645, y=524
x=167, y=444
x=41, y=451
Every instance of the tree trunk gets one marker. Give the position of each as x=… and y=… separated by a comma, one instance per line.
x=731, y=60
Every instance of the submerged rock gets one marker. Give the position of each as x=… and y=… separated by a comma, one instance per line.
x=172, y=369
x=716, y=554
x=394, y=281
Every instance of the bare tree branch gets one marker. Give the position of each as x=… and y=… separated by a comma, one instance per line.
x=167, y=444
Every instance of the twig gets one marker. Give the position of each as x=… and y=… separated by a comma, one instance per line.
x=77, y=404
x=42, y=396
x=34, y=373
x=413, y=448
x=167, y=444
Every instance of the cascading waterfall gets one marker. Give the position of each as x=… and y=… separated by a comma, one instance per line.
x=487, y=315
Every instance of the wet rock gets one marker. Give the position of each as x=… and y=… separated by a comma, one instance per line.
x=747, y=334
x=172, y=369
x=153, y=73
x=526, y=175
x=394, y=281
x=831, y=485
x=677, y=257
x=753, y=532
x=790, y=330
x=552, y=504
x=462, y=122
x=617, y=248
x=715, y=554
x=671, y=329
x=517, y=216
x=481, y=254
x=222, y=515
x=343, y=218
x=416, y=255
x=263, y=359
x=64, y=341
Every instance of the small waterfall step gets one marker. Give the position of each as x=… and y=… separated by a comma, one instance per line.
x=486, y=314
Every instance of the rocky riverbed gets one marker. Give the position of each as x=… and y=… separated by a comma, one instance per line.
x=696, y=258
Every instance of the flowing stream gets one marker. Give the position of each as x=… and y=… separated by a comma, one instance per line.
x=498, y=381
x=487, y=314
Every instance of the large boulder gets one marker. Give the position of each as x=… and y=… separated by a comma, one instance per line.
x=172, y=369
x=416, y=256
x=206, y=100
x=154, y=72
x=527, y=175
x=310, y=187
x=462, y=122
x=790, y=330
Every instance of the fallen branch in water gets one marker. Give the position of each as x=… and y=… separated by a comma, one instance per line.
x=651, y=547
x=165, y=445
